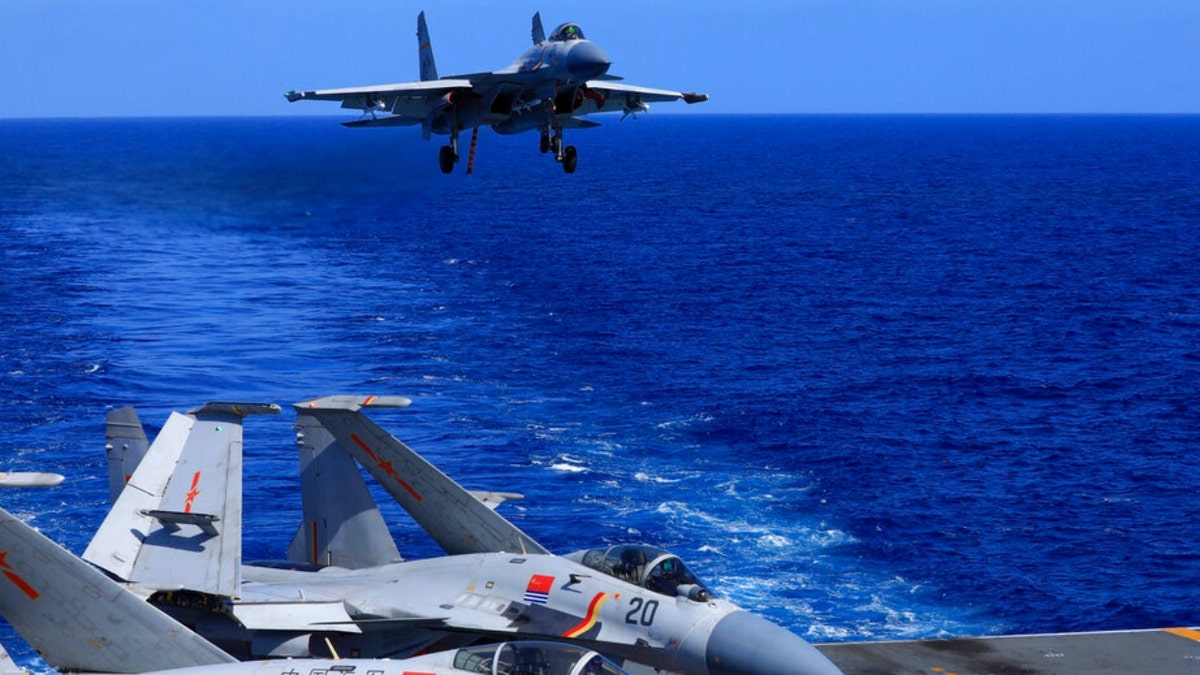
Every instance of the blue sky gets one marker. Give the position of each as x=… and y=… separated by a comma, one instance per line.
x=90, y=58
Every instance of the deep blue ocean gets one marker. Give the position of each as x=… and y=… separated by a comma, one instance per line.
x=875, y=377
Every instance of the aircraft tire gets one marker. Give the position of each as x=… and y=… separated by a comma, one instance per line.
x=570, y=159
x=446, y=159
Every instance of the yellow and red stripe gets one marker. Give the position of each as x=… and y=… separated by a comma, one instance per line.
x=589, y=620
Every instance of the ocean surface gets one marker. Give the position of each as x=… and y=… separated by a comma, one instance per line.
x=874, y=377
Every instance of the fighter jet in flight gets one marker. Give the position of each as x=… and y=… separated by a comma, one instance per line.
x=173, y=536
x=550, y=87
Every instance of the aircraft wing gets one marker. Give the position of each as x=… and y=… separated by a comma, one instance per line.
x=356, y=97
x=79, y=619
x=609, y=96
x=458, y=521
x=1171, y=650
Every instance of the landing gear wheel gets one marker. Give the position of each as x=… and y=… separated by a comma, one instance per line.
x=569, y=159
x=545, y=144
x=447, y=158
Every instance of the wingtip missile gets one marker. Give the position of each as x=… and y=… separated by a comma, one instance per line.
x=30, y=479
x=353, y=403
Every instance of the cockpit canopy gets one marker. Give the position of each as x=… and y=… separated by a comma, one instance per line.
x=522, y=658
x=567, y=31
x=649, y=567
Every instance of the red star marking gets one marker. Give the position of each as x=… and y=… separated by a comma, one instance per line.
x=192, y=494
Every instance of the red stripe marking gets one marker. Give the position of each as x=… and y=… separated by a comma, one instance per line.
x=21, y=584
x=404, y=484
x=366, y=448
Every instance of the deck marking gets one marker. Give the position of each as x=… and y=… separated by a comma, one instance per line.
x=1189, y=633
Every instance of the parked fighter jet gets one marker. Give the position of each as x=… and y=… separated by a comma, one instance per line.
x=634, y=602
x=550, y=87
x=80, y=620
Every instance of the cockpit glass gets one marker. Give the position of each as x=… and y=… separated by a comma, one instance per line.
x=534, y=657
x=567, y=31
x=649, y=567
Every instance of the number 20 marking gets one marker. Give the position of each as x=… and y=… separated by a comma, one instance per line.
x=641, y=611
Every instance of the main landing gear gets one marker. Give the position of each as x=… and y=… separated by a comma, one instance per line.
x=448, y=156
x=567, y=156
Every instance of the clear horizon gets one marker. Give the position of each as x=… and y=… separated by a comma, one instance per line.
x=220, y=58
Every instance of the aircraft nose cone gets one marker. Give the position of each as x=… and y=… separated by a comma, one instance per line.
x=586, y=60
x=745, y=644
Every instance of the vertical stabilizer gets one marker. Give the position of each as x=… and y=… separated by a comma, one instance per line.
x=178, y=522
x=539, y=34
x=342, y=524
x=80, y=620
x=125, y=446
x=425, y=50
x=455, y=519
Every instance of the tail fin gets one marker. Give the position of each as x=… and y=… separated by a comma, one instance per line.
x=342, y=524
x=178, y=522
x=457, y=520
x=126, y=445
x=425, y=50
x=78, y=619
x=539, y=34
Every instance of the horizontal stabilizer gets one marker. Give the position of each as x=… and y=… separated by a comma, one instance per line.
x=79, y=619
x=453, y=518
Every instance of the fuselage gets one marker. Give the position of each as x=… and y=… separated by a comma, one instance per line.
x=400, y=609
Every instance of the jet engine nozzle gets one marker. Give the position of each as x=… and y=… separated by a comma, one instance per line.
x=745, y=644
x=586, y=61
